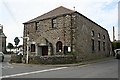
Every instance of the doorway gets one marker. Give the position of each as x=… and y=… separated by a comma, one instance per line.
x=44, y=50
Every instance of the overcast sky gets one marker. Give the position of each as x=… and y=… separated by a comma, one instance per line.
x=15, y=12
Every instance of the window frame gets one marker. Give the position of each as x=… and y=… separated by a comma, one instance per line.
x=33, y=48
x=54, y=22
x=104, y=37
x=36, y=26
x=99, y=35
x=92, y=33
x=93, y=45
x=99, y=46
x=103, y=46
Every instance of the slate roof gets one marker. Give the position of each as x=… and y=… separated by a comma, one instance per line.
x=53, y=13
x=58, y=12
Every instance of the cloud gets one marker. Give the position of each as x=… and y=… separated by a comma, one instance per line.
x=103, y=12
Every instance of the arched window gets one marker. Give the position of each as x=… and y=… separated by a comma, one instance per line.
x=99, y=35
x=103, y=36
x=59, y=46
x=92, y=33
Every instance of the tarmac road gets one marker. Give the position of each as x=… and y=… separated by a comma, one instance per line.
x=104, y=69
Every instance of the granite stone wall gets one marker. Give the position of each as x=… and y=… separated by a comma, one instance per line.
x=59, y=59
x=73, y=30
x=83, y=38
x=44, y=30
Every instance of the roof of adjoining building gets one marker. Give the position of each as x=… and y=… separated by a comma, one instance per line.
x=53, y=13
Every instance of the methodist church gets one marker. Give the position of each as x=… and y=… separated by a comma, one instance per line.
x=62, y=31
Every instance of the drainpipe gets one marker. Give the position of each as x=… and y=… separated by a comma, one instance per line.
x=72, y=32
x=64, y=34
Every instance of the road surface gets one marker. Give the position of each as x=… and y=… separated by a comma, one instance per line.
x=104, y=69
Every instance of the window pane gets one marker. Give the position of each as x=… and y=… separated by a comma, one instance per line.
x=92, y=33
x=103, y=36
x=32, y=47
x=54, y=23
x=99, y=35
x=93, y=45
x=36, y=25
x=103, y=46
x=98, y=45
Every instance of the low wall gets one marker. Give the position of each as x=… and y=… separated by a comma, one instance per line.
x=58, y=59
x=88, y=57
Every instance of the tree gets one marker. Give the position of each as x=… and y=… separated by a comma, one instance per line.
x=115, y=45
x=10, y=46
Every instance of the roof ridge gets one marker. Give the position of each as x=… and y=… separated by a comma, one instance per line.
x=54, y=12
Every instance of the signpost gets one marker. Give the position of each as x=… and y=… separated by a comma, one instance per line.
x=16, y=40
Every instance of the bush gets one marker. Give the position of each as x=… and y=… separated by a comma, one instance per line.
x=72, y=54
x=16, y=58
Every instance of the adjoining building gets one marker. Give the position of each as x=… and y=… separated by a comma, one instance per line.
x=63, y=31
x=2, y=40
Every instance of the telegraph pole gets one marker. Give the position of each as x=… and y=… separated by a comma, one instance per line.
x=27, y=56
x=113, y=34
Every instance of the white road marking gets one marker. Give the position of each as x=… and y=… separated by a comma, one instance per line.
x=54, y=69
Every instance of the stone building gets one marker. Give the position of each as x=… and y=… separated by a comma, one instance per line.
x=2, y=40
x=64, y=31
